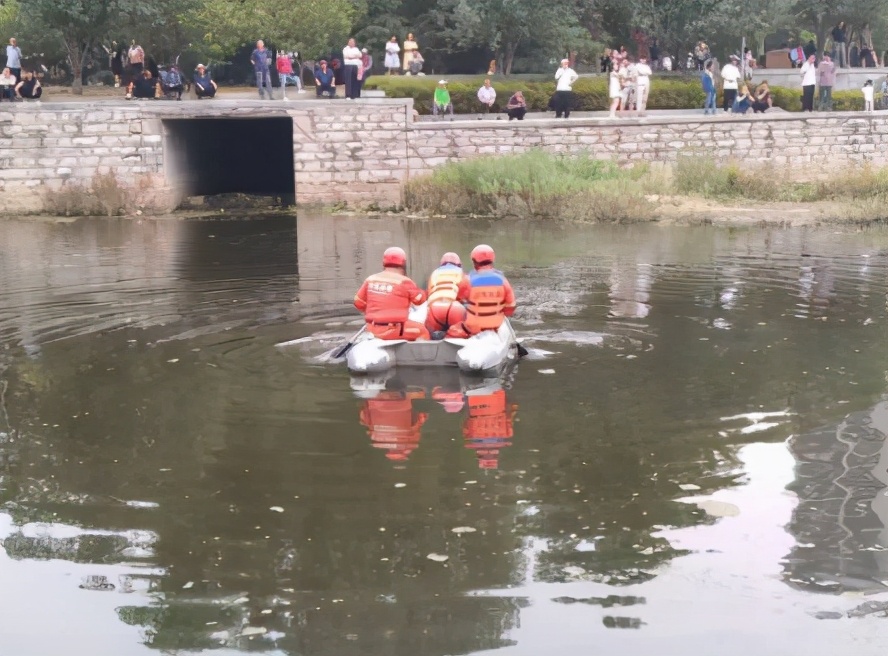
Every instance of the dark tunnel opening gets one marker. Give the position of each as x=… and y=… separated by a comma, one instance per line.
x=211, y=156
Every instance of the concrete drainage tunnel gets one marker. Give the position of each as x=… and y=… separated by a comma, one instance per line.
x=212, y=156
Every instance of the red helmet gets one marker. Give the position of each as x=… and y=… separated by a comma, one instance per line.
x=451, y=258
x=483, y=254
x=394, y=257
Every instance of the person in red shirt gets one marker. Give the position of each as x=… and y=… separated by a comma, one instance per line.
x=385, y=300
x=491, y=297
x=448, y=288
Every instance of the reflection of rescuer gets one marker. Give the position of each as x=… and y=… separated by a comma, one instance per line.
x=491, y=298
x=448, y=289
x=392, y=424
x=488, y=428
x=385, y=299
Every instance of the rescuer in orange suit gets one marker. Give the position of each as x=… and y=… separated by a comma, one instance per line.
x=392, y=424
x=385, y=299
x=488, y=428
x=491, y=297
x=448, y=288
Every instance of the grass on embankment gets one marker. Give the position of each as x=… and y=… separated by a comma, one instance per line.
x=577, y=187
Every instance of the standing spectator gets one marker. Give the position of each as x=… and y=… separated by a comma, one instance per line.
x=809, y=80
x=351, y=64
x=854, y=55
x=564, y=80
x=730, y=82
x=517, y=106
x=14, y=59
x=286, y=74
x=628, y=79
x=325, y=80
x=867, y=54
x=655, y=54
x=7, y=84
x=441, y=102
x=204, y=85
x=364, y=71
x=707, y=80
x=392, y=57
x=606, y=64
x=613, y=90
x=30, y=88
x=136, y=57
x=810, y=49
x=840, y=47
x=643, y=83
x=826, y=78
x=867, y=91
x=410, y=46
x=486, y=96
x=259, y=58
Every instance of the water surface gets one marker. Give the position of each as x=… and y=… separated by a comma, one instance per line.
x=692, y=459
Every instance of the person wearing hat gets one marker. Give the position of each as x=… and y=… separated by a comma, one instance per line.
x=204, y=85
x=731, y=82
x=441, y=102
x=325, y=82
x=565, y=77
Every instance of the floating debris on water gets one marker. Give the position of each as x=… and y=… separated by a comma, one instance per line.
x=438, y=558
x=463, y=529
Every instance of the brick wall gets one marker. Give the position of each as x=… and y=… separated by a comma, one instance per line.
x=362, y=152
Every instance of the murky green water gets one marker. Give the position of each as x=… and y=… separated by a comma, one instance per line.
x=691, y=461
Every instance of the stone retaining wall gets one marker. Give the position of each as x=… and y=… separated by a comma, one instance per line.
x=362, y=152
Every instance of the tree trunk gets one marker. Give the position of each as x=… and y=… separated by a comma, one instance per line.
x=76, y=56
x=509, y=58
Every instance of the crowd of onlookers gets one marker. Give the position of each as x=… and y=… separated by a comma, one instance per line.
x=17, y=83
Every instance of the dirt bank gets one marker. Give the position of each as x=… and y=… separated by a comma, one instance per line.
x=690, y=210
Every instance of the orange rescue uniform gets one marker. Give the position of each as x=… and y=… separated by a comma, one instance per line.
x=491, y=298
x=385, y=300
x=448, y=289
x=391, y=423
x=488, y=428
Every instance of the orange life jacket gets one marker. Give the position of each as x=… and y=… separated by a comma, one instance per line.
x=489, y=417
x=487, y=298
x=392, y=425
x=446, y=284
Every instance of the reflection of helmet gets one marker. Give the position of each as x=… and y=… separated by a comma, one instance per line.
x=451, y=401
x=483, y=254
x=395, y=257
x=451, y=258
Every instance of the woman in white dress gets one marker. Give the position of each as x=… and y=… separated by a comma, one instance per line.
x=410, y=46
x=614, y=91
x=392, y=58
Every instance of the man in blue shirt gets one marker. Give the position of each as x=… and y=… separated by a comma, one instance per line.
x=260, y=60
x=325, y=80
x=14, y=59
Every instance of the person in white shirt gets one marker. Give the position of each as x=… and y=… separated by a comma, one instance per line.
x=731, y=81
x=7, y=84
x=809, y=81
x=352, y=60
x=867, y=91
x=643, y=84
x=487, y=96
x=565, y=77
x=392, y=57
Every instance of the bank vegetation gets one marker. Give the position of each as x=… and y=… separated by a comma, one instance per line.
x=581, y=188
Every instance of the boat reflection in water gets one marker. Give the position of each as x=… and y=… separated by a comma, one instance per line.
x=394, y=423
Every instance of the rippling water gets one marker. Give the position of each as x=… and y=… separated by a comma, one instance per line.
x=691, y=460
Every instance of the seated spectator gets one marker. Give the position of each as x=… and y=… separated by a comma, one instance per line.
x=743, y=101
x=517, y=106
x=441, y=103
x=416, y=64
x=487, y=96
x=7, y=84
x=29, y=87
x=204, y=85
x=762, y=101
x=144, y=86
x=325, y=80
x=172, y=83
